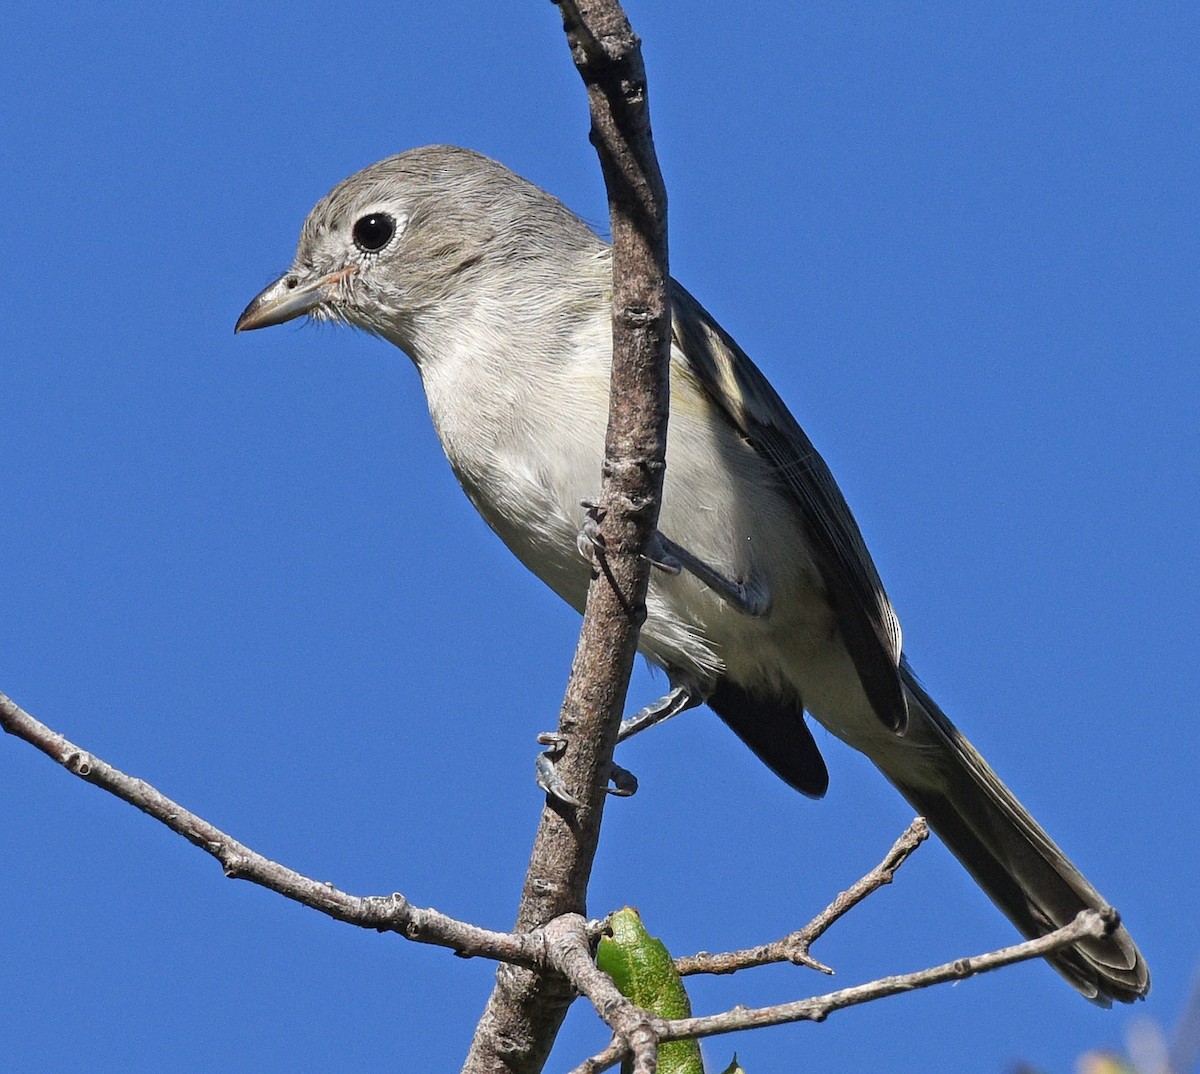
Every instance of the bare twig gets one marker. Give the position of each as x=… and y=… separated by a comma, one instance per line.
x=612, y=1054
x=794, y=947
x=526, y=1009
x=385, y=913
x=1087, y=923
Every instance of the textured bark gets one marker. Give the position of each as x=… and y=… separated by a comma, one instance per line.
x=527, y=1007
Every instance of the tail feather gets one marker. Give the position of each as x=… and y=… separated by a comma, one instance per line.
x=1015, y=862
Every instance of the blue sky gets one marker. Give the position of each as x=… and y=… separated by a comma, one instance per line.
x=960, y=239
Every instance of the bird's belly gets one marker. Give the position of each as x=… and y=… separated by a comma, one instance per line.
x=722, y=501
x=534, y=505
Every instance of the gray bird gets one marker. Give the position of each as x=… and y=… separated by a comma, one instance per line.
x=768, y=605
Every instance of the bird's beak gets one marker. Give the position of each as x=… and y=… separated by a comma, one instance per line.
x=288, y=297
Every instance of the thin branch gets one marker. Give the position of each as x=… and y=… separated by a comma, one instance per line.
x=612, y=1054
x=526, y=1009
x=385, y=913
x=794, y=947
x=1087, y=923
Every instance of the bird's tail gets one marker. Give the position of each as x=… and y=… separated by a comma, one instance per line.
x=1004, y=848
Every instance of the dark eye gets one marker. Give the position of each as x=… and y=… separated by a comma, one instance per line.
x=373, y=232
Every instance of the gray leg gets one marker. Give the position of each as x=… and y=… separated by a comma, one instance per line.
x=750, y=599
x=680, y=699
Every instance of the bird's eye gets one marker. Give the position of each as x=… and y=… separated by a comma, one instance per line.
x=373, y=232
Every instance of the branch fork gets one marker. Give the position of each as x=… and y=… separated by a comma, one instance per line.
x=562, y=949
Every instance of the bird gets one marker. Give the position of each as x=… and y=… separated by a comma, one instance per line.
x=768, y=606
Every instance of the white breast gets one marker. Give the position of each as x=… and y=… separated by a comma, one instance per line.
x=525, y=434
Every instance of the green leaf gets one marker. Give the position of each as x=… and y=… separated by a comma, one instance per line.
x=644, y=972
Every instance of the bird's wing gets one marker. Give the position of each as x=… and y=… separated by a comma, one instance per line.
x=862, y=610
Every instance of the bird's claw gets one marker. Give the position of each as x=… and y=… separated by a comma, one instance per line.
x=547, y=772
x=624, y=782
x=590, y=541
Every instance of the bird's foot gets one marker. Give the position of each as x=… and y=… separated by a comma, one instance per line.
x=624, y=782
x=590, y=540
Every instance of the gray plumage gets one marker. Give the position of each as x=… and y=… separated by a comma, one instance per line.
x=501, y=296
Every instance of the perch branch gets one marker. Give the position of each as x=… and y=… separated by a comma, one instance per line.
x=526, y=1009
x=794, y=947
x=1087, y=923
x=385, y=913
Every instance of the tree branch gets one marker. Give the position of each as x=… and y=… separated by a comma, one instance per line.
x=526, y=1009
x=385, y=913
x=795, y=946
x=1087, y=923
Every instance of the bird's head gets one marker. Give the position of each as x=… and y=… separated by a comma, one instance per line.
x=426, y=232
